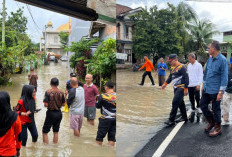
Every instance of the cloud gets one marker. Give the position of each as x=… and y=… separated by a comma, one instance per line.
x=148, y=4
x=41, y=17
x=218, y=13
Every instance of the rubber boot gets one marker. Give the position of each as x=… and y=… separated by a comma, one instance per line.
x=192, y=117
x=216, y=131
x=210, y=125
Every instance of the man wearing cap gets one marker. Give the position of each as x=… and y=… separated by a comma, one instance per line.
x=179, y=78
x=149, y=68
x=215, y=80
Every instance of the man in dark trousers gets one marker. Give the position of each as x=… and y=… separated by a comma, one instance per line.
x=180, y=81
x=149, y=68
x=53, y=100
x=215, y=81
x=107, y=122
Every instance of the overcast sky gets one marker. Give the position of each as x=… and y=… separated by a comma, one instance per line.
x=218, y=13
x=41, y=17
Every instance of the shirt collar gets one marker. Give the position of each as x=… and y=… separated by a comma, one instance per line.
x=194, y=62
x=217, y=57
x=89, y=85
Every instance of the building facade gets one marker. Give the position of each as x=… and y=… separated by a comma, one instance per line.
x=124, y=28
x=226, y=45
x=50, y=41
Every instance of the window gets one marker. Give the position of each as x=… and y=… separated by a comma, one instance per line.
x=227, y=33
x=127, y=32
x=118, y=31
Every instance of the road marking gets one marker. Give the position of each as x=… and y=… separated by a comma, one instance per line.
x=167, y=140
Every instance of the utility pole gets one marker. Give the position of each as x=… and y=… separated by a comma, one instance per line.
x=3, y=22
x=45, y=38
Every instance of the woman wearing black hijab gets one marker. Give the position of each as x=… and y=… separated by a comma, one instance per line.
x=10, y=128
x=26, y=109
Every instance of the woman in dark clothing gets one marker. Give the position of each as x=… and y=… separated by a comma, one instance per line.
x=26, y=108
x=10, y=128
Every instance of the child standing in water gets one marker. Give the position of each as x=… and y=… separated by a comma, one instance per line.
x=26, y=108
x=33, y=78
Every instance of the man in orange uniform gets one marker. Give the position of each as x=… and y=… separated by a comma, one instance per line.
x=149, y=67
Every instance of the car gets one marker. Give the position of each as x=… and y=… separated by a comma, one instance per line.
x=52, y=58
x=64, y=58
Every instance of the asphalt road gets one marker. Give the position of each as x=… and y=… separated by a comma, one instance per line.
x=191, y=141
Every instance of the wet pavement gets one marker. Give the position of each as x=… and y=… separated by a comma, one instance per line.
x=68, y=145
x=141, y=111
x=191, y=141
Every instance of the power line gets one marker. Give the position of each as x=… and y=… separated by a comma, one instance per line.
x=37, y=31
x=32, y=17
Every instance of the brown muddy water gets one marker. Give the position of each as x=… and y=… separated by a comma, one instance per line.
x=141, y=110
x=68, y=145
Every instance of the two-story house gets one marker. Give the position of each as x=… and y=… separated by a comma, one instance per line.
x=124, y=28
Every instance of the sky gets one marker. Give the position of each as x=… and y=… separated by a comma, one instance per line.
x=218, y=13
x=41, y=17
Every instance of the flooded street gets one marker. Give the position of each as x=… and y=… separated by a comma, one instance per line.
x=141, y=111
x=68, y=145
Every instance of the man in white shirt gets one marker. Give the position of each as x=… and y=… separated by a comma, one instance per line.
x=195, y=72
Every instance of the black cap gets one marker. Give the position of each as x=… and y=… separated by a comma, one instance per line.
x=72, y=75
x=171, y=57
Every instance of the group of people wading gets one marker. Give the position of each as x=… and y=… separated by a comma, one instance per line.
x=216, y=79
x=81, y=101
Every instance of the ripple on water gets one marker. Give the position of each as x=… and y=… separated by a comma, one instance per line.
x=68, y=144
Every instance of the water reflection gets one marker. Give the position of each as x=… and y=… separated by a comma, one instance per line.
x=68, y=145
x=141, y=110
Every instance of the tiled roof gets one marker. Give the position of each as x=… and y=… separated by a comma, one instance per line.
x=121, y=9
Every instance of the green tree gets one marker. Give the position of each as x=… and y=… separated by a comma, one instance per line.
x=36, y=46
x=103, y=61
x=64, y=40
x=18, y=49
x=185, y=15
x=17, y=21
x=82, y=52
x=155, y=31
x=202, y=32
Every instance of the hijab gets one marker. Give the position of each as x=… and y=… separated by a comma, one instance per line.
x=7, y=116
x=28, y=100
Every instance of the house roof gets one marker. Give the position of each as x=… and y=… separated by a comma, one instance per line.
x=121, y=9
x=95, y=26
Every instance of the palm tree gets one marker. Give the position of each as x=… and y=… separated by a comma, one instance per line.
x=202, y=32
x=185, y=15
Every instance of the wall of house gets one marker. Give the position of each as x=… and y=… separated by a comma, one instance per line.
x=225, y=48
x=79, y=29
x=227, y=38
x=53, y=40
x=107, y=32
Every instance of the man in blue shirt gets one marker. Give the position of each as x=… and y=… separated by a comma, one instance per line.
x=162, y=67
x=215, y=81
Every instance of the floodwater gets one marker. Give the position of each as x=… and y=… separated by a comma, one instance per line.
x=68, y=145
x=141, y=111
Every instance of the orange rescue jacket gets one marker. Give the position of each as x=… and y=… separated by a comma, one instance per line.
x=149, y=66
